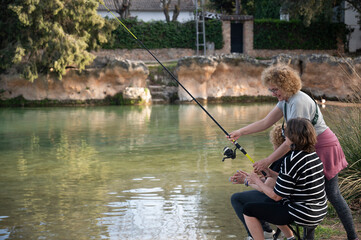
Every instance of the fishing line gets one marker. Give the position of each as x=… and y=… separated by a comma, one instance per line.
x=172, y=75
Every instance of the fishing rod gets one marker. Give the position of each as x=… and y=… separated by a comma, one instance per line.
x=226, y=151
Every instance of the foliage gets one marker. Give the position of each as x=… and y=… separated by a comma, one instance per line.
x=276, y=34
x=311, y=11
x=41, y=37
x=348, y=131
x=223, y=6
x=349, y=134
x=159, y=34
x=307, y=10
x=258, y=8
x=266, y=9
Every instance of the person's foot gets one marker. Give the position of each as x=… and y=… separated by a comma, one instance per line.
x=269, y=235
x=248, y=238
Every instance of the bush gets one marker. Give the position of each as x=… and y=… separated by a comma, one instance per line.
x=277, y=34
x=349, y=134
x=159, y=34
x=348, y=130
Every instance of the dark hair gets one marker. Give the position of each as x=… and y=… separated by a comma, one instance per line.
x=302, y=134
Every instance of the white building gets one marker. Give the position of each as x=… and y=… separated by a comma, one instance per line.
x=151, y=10
x=350, y=19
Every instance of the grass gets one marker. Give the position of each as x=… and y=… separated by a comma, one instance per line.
x=348, y=130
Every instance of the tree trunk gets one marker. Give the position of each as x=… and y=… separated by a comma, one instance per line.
x=166, y=4
x=176, y=11
x=122, y=8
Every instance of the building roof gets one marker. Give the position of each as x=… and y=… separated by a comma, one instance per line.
x=149, y=5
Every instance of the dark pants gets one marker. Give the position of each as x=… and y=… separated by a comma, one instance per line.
x=341, y=207
x=239, y=200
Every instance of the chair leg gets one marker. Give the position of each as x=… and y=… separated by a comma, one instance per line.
x=275, y=236
x=309, y=233
x=296, y=231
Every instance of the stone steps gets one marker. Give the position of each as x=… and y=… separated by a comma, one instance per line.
x=161, y=94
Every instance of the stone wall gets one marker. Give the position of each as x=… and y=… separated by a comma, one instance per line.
x=167, y=54
x=210, y=77
x=237, y=75
x=107, y=77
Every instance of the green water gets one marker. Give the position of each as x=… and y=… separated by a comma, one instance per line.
x=134, y=172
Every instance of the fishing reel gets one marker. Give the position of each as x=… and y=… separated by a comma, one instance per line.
x=229, y=153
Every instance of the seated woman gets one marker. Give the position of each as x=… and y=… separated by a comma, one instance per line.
x=299, y=194
x=239, y=199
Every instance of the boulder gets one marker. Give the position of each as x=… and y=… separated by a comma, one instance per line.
x=106, y=77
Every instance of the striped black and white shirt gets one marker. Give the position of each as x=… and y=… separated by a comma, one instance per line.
x=301, y=184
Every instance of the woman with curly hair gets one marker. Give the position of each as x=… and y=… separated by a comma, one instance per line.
x=285, y=84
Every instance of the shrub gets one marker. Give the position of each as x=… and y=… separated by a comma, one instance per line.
x=159, y=34
x=348, y=130
x=277, y=34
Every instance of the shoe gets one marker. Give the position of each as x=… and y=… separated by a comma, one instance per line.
x=248, y=238
x=269, y=234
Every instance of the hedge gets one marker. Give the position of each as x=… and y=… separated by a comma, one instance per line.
x=276, y=34
x=268, y=34
x=159, y=34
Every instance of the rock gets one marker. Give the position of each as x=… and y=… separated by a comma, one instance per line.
x=210, y=77
x=226, y=75
x=108, y=77
x=235, y=75
x=134, y=93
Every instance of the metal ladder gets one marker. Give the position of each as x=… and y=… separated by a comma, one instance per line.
x=200, y=27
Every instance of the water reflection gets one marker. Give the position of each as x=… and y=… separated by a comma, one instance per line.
x=137, y=172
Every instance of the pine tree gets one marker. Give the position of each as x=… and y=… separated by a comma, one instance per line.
x=47, y=36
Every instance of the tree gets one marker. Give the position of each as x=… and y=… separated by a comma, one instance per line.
x=47, y=36
x=122, y=8
x=166, y=5
x=307, y=10
x=263, y=9
x=223, y=6
x=310, y=10
x=260, y=9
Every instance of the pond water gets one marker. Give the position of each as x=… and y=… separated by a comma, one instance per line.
x=125, y=172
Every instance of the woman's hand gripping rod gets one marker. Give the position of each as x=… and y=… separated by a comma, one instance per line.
x=172, y=75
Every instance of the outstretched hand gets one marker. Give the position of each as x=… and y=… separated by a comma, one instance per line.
x=239, y=177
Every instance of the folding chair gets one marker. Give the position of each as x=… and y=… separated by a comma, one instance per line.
x=308, y=232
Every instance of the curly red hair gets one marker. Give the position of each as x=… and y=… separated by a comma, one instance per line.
x=284, y=77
